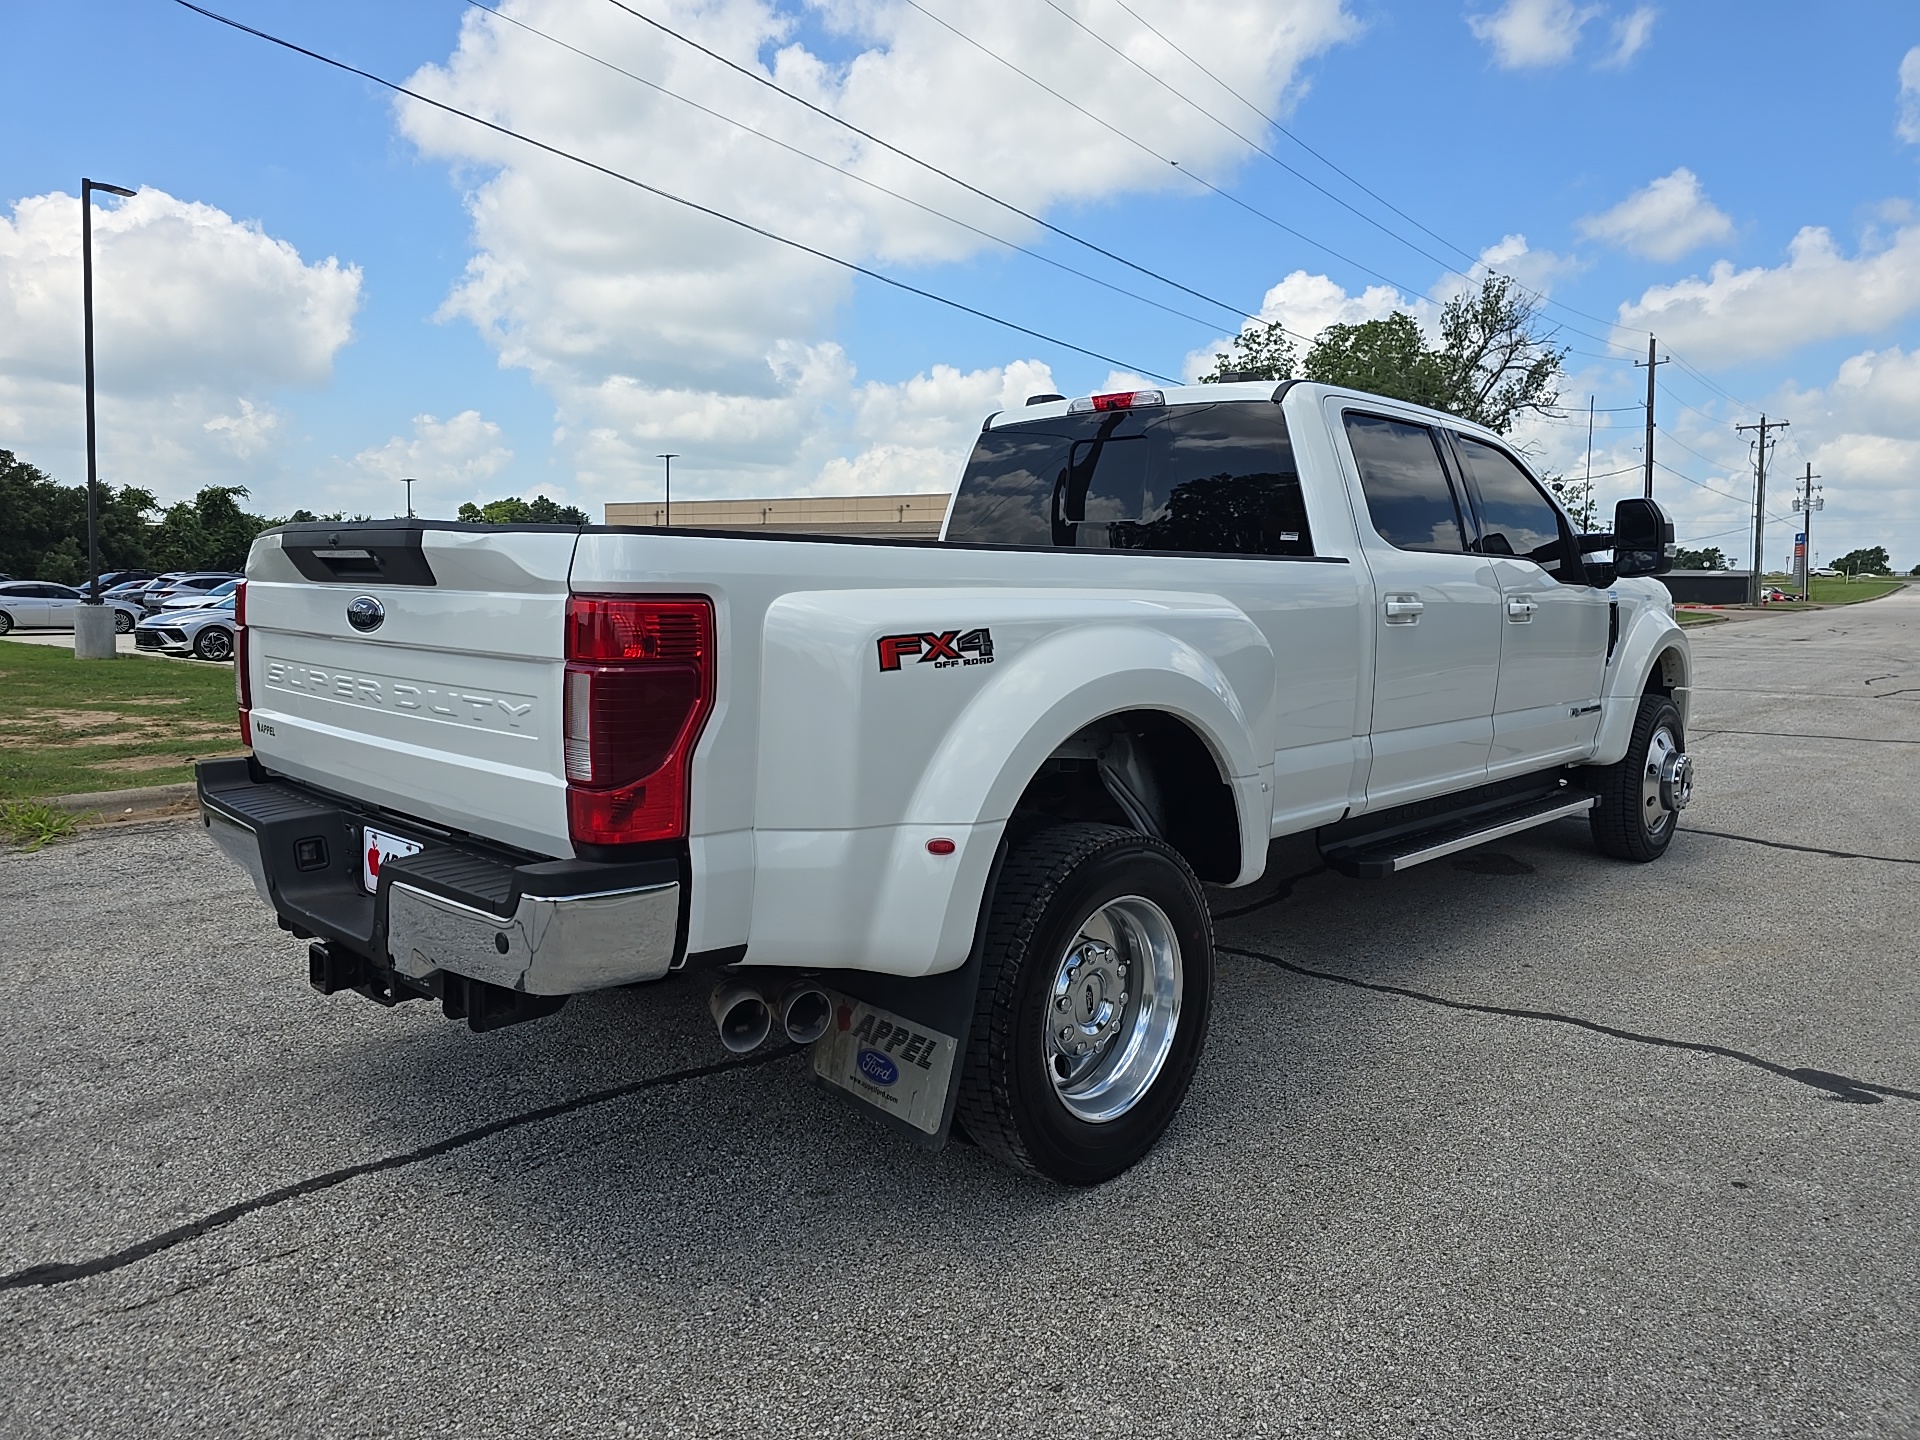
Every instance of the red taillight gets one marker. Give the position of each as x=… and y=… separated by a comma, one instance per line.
x=1117, y=400
x=242, y=682
x=639, y=686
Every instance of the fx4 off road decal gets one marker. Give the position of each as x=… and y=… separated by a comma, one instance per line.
x=942, y=650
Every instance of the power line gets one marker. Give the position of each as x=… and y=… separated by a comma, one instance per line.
x=668, y=195
x=837, y=169
x=1270, y=120
x=931, y=168
x=1250, y=143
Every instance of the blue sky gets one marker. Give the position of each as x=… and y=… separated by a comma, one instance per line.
x=497, y=325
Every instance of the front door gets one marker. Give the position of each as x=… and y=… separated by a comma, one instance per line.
x=1553, y=648
x=1437, y=616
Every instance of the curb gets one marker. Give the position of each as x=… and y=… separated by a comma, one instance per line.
x=116, y=805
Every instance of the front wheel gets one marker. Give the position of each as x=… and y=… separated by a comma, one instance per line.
x=213, y=643
x=122, y=623
x=1095, y=988
x=1642, y=795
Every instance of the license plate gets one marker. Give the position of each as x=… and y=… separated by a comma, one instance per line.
x=890, y=1063
x=379, y=848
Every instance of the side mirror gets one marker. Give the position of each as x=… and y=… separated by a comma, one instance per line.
x=1642, y=538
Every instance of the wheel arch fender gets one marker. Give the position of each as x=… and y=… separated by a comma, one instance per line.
x=1652, y=656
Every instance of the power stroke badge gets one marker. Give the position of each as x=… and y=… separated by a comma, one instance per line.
x=889, y=1062
x=942, y=649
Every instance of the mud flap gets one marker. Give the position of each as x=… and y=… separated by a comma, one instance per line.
x=898, y=1045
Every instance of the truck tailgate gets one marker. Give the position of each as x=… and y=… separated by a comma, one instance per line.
x=443, y=701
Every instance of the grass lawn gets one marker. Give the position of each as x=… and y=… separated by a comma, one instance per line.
x=1837, y=590
x=72, y=726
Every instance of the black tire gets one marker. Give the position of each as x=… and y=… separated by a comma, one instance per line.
x=1630, y=822
x=1051, y=886
x=214, y=643
x=122, y=623
x=6, y=623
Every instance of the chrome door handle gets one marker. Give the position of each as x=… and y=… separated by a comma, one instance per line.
x=1403, y=609
x=1521, y=608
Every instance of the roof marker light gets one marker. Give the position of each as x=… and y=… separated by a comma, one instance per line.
x=1117, y=400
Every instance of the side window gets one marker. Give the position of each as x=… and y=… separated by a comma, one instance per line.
x=1409, y=498
x=1516, y=518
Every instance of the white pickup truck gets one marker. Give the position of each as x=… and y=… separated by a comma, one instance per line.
x=943, y=809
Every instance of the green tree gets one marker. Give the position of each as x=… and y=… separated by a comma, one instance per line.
x=1498, y=364
x=1873, y=561
x=208, y=532
x=1707, y=559
x=1260, y=352
x=1493, y=364
x=515, y=511
x=1386, y=357
x=43, y=525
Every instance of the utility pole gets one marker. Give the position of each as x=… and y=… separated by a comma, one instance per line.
x=1652, y=364
x=1759, y=500
x=669, y=459
x=1586, y=504
x=1806, y=502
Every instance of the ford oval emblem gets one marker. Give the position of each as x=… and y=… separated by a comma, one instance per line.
x=875, y=1065
x=365, y=613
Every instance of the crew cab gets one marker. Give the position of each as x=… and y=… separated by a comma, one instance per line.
x=943, y=810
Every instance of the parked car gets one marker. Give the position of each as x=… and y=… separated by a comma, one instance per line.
x=943, y=809
x=206, y=633
x=191, y=583
x=42, y=605
x=186, y=599
x=113, y=578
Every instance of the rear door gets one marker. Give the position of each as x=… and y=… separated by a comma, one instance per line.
x=443, y=704
x=1553, y=647
x=1436, y=616
x=25, y=606
x=62, y=604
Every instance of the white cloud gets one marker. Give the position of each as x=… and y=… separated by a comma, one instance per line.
x=1536, y=34
x=1630, y=35
x=1306, y=304
x=1526, y=34
x=451, y=459
x=1662, y=221
x=658, y=329
x=199, y=319
x=1907, y=126
x=1818, y=294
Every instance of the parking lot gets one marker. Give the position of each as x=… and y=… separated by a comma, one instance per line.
x=1527, y=1142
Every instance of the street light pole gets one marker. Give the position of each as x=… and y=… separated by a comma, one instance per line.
x=87, y=187
x=669, y=459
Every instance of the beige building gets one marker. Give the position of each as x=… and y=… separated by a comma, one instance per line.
x=913, y=516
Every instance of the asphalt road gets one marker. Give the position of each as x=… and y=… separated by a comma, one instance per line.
x=1529, y=1143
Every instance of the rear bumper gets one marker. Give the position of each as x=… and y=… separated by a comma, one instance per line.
x=537, y=927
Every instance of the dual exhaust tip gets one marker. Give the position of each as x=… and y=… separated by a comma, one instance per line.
x=746, y=1017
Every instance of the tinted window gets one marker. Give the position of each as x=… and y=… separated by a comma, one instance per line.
x=1212, y=479
x=1515, y=516
x=1408, y=496
x=1006, y=494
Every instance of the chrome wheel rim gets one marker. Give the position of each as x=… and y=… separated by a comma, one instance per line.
x=1663, y=755
x=122, y=622
x=1113, y=1009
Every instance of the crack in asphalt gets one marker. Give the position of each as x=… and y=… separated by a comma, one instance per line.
x=65, y=1272
x=1804, y=849
x=1841, y=1087
x=1797, y=735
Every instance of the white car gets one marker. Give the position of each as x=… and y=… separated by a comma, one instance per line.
x=43, y=605
x=206, y=633
x=197, y=599
x=943, y=809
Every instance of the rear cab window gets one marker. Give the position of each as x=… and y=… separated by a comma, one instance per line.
x=1410, y=499
x=1212, y=479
